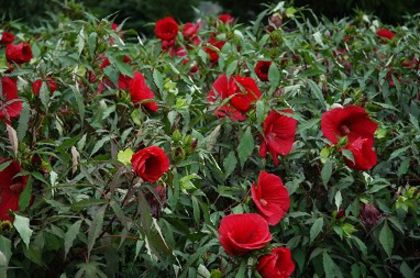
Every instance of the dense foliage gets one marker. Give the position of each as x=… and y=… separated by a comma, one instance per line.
x=121, y=155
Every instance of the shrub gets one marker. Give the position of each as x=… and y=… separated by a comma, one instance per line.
x=311, y=163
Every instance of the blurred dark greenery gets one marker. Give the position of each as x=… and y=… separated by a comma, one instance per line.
x=140, y=12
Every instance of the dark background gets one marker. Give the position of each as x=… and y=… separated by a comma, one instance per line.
x=141, y=12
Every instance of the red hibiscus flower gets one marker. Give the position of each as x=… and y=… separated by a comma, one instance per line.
x=166, y=29
x=351, y=121
x=10, y=189
x=277, y=264
x=124, y=82
x=140, y=92
x=7, y=38
x=385, y=33
x=363, y=154
x=279, y=134
x=226, y=18
x=241, y=91
x=36, y=86
x=150, y=163
x=261, y=69
x=213, y=54
x=10, y=104
x=190, y=32
x=271, y=197
x=240, y=234
x=18, y=53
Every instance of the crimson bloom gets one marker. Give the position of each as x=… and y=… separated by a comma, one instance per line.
x=279, y=134
x=277, y=264
x=363, y=154
x=240, y=234
x=190, y=32
x=242, y=93
x=213, y=54
x=226, y=18
x=261, y=69
x=18, y=53
x=271, y=197
x=36, y=86
x=385, y=33
x=150, y=163
x=10, y=189
x=7, y=38
x=351, y=121
x=140, y=92
x=10, y=104
x=166, y=28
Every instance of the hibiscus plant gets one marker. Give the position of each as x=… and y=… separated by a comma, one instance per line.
x=287, y=146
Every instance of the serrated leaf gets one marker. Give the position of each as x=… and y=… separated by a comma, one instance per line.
x=316, y=229
x=100, y=144
x=95, y=228
x=246, y=146
x=25, y=196
x=229, y=163
x=212, y=138
x=23, y=121
x=158, y=79
x=386, y=238
x=326, y=172
x=232, y=68
x=273, y=75
x=329, y=265
x=22, y=226
x=70, y=236
x=406, y=271
x=316, y=91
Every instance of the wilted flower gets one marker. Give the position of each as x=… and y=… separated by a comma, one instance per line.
x=370, y=215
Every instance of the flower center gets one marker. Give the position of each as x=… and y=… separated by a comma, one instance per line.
x=345, y=130
x=263, y=202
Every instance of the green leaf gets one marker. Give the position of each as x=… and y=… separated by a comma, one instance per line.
x=316, y=229
x=21, y=225
x=23, y=121
x=231, y=68
x=274, y=75
x=386, y=238
x=5, y=255
x=100, y=144
x=246, y=146
x=80, y=41
x=122, y=67
x=125, y=156
x=44, y=94
x=316, y=91
x=329, y=265
x=80, y=102
x=70, y=236
x=25, y=196
x=95, y=228
x=260, y=111
x=158, y=79
x=229, y=163
x=326, y=172
x=406, y=271
x=92, y=41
